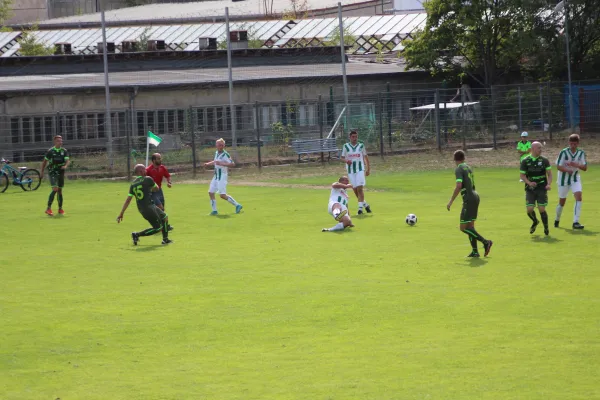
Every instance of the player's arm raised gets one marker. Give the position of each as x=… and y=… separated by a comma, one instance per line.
x=338, y=185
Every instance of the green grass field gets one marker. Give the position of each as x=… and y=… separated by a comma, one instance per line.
x=263, y=305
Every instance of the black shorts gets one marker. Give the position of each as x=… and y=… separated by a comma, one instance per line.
x=539, y=196
x=57, y=178
x=158, y=198
x=155, y=216
x=469, y=210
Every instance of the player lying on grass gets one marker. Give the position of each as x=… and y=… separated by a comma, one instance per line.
x=141, y=188
x=338, y=205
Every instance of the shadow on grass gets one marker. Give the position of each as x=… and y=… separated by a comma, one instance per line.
x=476, y=262
x=221, y=216
x=545, y=239
x=142, y=248
x=579, y=232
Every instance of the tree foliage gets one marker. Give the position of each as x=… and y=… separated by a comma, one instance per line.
x=5, y=11
x=485, y=39
x=30, y=46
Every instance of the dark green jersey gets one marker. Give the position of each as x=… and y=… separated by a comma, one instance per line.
x=141, y=189
x=56, y=158
x=535, y=169
x=464, y=174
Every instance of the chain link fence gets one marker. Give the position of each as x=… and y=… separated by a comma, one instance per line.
x=389, y=122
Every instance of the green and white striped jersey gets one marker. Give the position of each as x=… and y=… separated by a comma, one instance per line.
x=356, y=154
x=220, y=171
x=565, y=156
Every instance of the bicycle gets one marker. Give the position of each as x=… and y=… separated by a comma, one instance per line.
x=28, y=178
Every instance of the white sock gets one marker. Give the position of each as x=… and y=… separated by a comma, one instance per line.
x=559, y=209
x=338, y=227
x=577, y=211
x=232, y=201
x=213, y=204
x=360, y=205
x=336, y=213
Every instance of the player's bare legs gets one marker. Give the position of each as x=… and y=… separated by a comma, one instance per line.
x=342, y=217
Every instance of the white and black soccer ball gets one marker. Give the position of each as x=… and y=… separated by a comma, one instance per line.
x=411, y=219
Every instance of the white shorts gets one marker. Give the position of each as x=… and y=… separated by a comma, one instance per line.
x=218, y=186
x=563, y=191
x=331, y=204
x=357, y=179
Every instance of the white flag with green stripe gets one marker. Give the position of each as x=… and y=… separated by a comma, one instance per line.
x=153, y=139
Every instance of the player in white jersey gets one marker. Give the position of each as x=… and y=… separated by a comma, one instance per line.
x=570, y=161
x=338, y=205
x=222, y=162
x=354, y=154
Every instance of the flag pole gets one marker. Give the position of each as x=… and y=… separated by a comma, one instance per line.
x=147, y=149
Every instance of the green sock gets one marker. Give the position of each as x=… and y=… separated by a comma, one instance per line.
x=474, y=234
x=60, y=199
x=544, y=219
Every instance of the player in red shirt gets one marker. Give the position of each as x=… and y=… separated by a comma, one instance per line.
x=158, y=172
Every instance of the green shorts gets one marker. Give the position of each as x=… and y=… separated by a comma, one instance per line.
x=539, y=196
x=155, y=216
x=57, y=178
x=469, y=210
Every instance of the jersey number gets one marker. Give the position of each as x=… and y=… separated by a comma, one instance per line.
x=138, y=192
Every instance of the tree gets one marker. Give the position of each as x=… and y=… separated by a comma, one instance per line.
x=483, y=38
x=30, y=46
x=298, y=10
x=5, y=11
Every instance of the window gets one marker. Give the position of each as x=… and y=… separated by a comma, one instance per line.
x=181, y=121
x=274, y=115
x=293, y=110
x=122, y=122
x=239, y=117
x=310, y=114
x=70, y=127
x=284, y=119
x=219, y=119
x=330, y=114
x=210, y=119
x=27, y=130
x=14, y=129
x=227, y=122
x=170, y=121
x=162, y=123
x=37, y=129
x=48, y=129
x=92, y=126
x=140, y=124
x=264, y=117
x=100, y=125
x=200, y=120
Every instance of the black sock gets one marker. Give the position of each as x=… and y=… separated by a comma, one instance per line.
x=149, y=232
x=474, y=234
x=544, y=215
x=165, y=229
x=60, y=199
x=51, y=198
x=532, y=216
x=473, y=244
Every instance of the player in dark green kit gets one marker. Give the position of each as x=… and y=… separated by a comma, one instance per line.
x=465, y=185
x=141, y=188
x=536, y=172
x=57, y=160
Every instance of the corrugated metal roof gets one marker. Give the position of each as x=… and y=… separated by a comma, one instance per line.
x=197, y=9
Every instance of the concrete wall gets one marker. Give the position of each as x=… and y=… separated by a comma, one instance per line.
x=28, y=11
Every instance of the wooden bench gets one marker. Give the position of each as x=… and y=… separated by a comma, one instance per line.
x=310, y=146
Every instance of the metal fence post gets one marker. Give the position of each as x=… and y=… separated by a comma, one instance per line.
x=129, y=122
x=320, y=117
x=464, y=119
x=380, y=107
x=258, y=144
x=520, y=111
x=494, y=116
x=542, y=109
x=192, y=133
x=437, y=119
x=389, y=113
x=549, y=110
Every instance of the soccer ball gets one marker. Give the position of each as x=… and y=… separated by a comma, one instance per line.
x=411, y=219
